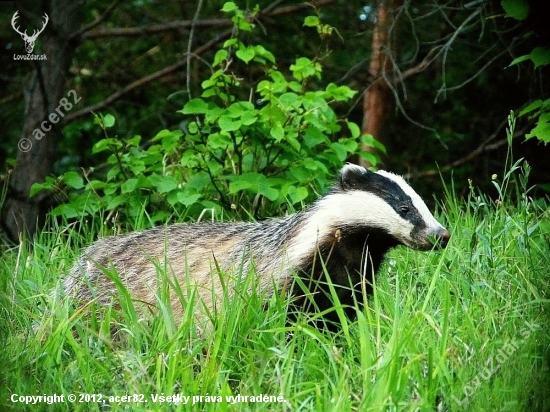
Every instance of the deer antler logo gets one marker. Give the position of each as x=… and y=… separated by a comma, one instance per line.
x=29, y=40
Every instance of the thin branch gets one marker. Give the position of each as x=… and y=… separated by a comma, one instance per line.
x=435, y=52
x=190, y=45
x=272, y=6
x=465, y=82
x=428, y=59
x=404, y=112
x=144, y=80
x=484, y=147
x=447, y=47
x=96, y=22
x=420, y=67
x=154, y=28
x=353, y=70
x=187, y=24
x=301, y=6
x=182, y=63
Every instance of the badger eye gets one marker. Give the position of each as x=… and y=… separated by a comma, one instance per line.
x=404, y=209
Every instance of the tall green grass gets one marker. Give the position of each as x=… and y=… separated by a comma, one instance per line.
x=465, y=328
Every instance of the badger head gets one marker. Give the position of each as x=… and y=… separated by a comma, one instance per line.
x=385, y=202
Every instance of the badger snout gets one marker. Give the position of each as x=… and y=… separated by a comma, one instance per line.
x=442, y=237
x=435, y=238
x=428, y=238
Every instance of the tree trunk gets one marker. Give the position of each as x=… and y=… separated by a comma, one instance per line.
x=376, y=100
x=43, y=93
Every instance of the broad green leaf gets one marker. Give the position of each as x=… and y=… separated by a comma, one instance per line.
x=277, y=132
x=261, y=51
x=369, y=140
x=519, y=60
x=530, y=107
x=249, y=117
x=198, y=181
x=230, y=43
x=134, y=141
x=116, y=201
x=310, y=164
x=245, y=181
x=290, y=100
x=163, y=184
x=229, y=7
x=297, y=194
x=340, y=151
x=214, y=166
x=241, y=22
x=542, y=130
x=195, y=106
x=540, y=56
x=350, y=144
x=105, y=144
x=95, y=185
x=170, y=139
x=73, y=179
x=339, y=93
x=129, y=186
x=301, y=174
x=108, y=121
x=304, y=68
x=313, y=137
x=111, y=188
x=67, y=211
x=354, y=129
x=48, y=184
x=517, y=9
x=293, y=141
x=372, y=158
x=163, y=133
x=187, y=199
x=237, y=109
x=266, y=190
x=246, y=54
x=311, y=21
x=227, y=124
x=220, y=56
x=193, y=128
x=220, y=141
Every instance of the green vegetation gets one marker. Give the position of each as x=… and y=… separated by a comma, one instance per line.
x=465, y=326
x=234, y=153
x=539, y=56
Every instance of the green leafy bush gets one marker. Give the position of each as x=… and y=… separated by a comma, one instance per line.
x=540, y=57
x=256, y=155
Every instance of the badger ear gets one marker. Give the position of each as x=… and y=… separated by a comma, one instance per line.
x=353, y=176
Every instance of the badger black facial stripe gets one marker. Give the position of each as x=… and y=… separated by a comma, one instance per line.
x=416, y=200
x=357, y=178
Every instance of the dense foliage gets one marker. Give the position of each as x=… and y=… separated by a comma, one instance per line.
x=539, y=56
x=283, y=144
x=441, y=115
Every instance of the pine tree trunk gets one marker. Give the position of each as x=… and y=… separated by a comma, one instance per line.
x=376, y=100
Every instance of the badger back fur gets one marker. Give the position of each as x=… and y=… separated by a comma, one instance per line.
x=349, y=230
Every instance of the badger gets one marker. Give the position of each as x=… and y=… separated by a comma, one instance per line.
x=339, y=241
